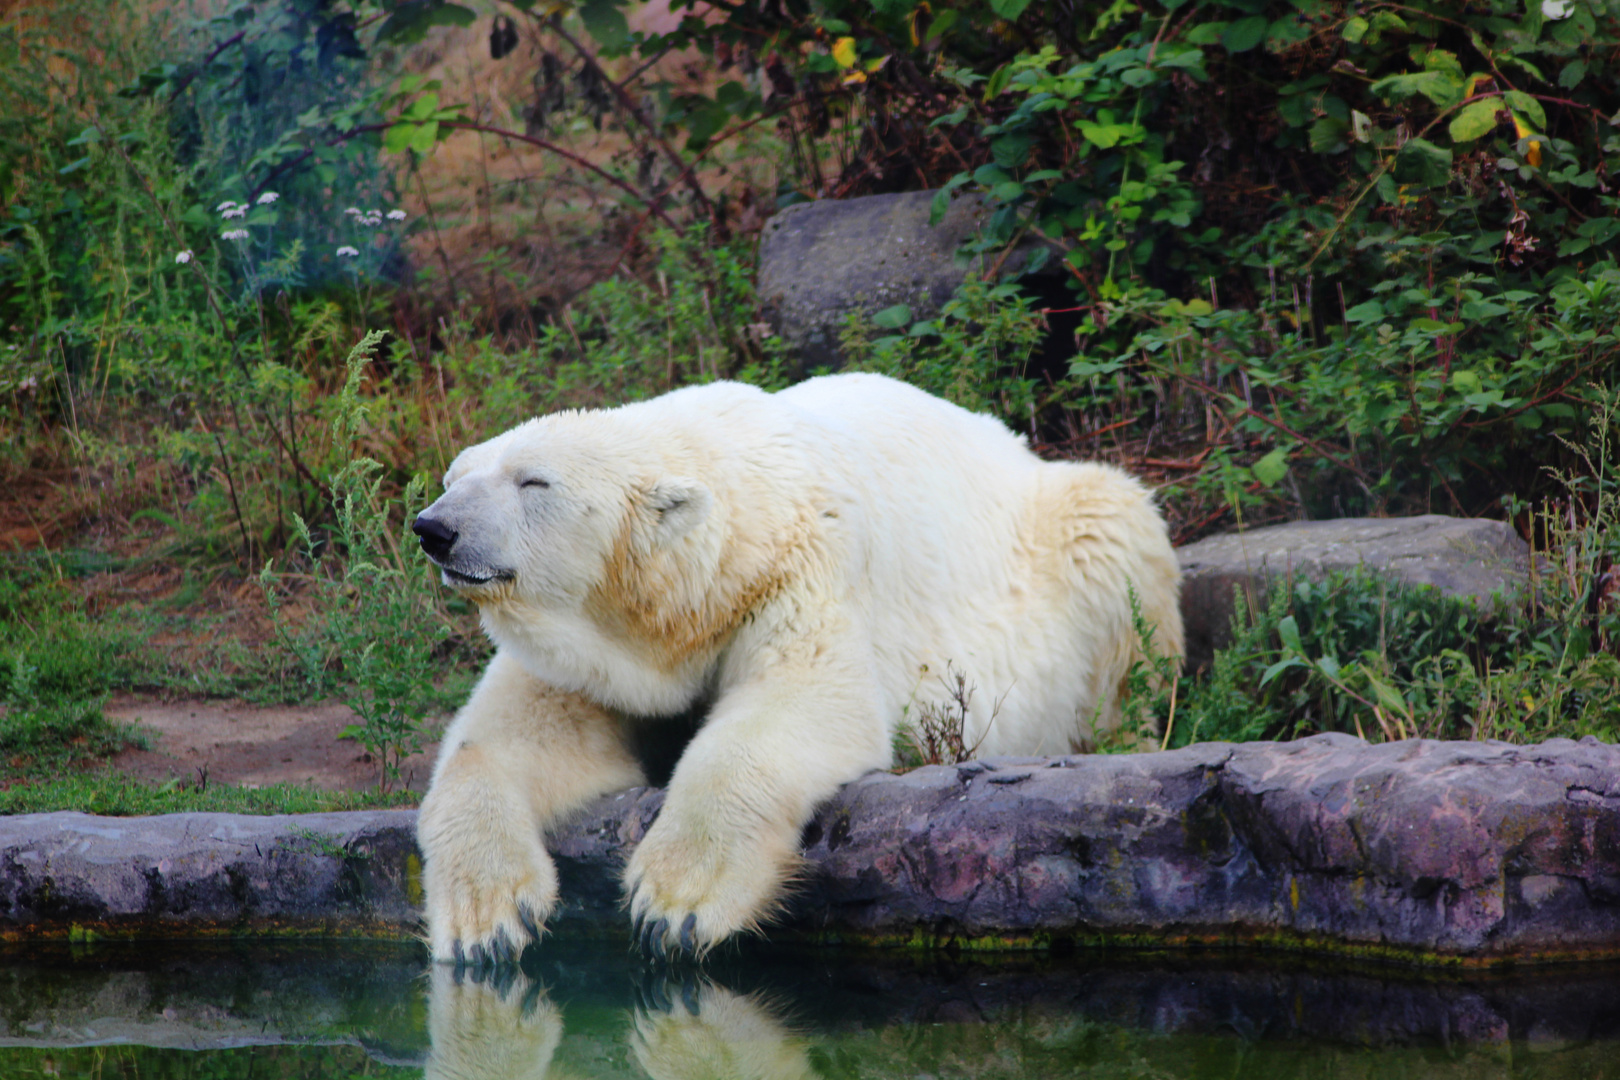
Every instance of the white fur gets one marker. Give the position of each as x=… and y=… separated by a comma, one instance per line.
x=816, y=560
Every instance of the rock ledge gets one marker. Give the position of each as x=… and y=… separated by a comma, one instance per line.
x=1425, y=852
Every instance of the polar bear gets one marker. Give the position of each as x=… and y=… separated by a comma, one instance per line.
x=806, y=563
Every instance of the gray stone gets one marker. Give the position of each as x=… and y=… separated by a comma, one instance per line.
x=1463, y=557
x=186, y=874
x=1420, y=851
x=819, y=261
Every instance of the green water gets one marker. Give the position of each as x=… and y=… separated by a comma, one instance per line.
x=276, y=1012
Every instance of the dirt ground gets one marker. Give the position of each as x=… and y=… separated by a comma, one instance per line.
x=253, y=745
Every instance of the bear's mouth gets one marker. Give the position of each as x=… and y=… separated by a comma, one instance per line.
x=460, y=579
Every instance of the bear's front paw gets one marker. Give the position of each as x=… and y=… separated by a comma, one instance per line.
x=485, y=903
x=688, y=896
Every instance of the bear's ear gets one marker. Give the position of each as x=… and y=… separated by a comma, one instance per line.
x=677, y=505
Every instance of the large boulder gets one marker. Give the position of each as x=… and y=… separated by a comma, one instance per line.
x=1420, y=851
x=819, y=261
x=1465, y=557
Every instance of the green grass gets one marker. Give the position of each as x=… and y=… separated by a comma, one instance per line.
x=114, y=795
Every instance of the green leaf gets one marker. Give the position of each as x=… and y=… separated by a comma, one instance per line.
x=1441, y=87
x=1270, y=469
x=1007, y=191
x=893, y=318
x=1387, y=696
x=424, y=138
x=1288, y=631
x=1527, y=107
x=1327, y=135
x=1286, y=31
x=1475, y=120
x=1009, y=9
x=398, y=137
x=941, y=204
x=606, y=24
x=412, y=19
x=1354, y=30
x=1102, y=136
x=1205, y=33
x=1009, y=151
x=422, y=108
x=1422, y=162
x=988, y=175
x=941, y=25
x=1446, y=63
x=1279, y=667
x=1387, y=20
x=1244, y=34
x=1370, y=312
x=1480, y=310
x=1138, y=77
x=1573, y=73
x=74, y=167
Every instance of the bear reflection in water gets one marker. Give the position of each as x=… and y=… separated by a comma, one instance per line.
x=501, y=1025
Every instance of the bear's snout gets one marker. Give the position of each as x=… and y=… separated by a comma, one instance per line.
x=437, y=537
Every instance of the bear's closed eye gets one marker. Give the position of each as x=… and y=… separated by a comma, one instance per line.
x=535, y=482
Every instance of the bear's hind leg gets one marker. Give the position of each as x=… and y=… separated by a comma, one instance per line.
x=518, y=756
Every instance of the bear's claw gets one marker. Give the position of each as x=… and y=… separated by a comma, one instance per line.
x=652, y=937
x=526, y=916
x=497, y=953
x=649, y=934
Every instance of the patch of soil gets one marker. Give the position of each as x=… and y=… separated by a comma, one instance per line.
x=232, y=742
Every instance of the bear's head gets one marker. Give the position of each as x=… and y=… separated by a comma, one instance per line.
x=619, y=551
x=539, y=516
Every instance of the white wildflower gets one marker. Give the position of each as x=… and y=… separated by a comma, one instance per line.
x=267, y=198
x=396, y=215
x=224, y=206
x=347, y=252
x=353, y=211
x=234, y=234
x=183, y=257
x=235, y=212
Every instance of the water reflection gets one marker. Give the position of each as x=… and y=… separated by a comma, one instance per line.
x=596, y=1011
x=506, y=1027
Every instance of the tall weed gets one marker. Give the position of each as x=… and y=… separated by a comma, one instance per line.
x=377, y=635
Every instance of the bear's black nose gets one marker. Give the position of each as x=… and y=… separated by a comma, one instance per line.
x=437, y=537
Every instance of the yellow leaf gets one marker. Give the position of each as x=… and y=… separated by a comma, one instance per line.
x=916, y=39
x=854, y=78
x=876, y=65
x=1532, y=150
x=843, y=52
